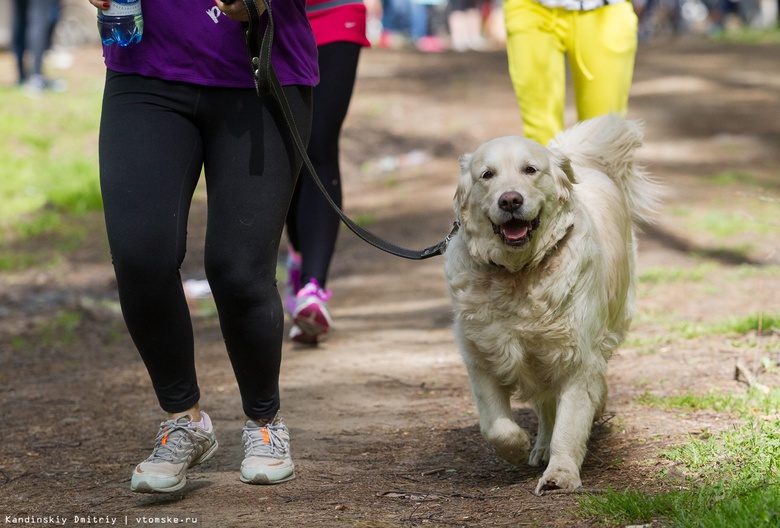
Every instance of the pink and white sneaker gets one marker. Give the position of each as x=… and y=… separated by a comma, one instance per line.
x=311, y=318
x=293, y=284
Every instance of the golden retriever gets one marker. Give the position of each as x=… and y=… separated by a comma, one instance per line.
x=541, y=273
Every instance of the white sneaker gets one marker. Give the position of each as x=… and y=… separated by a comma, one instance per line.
x=180, y=444
x=267, y=448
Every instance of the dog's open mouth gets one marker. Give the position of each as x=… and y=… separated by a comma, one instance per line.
x=516, y=232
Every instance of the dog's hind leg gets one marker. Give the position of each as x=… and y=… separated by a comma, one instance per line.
x=496, y=422
x=545, y=412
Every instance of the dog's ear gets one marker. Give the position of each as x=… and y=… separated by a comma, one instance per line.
x=563, y=174
x=464, y=185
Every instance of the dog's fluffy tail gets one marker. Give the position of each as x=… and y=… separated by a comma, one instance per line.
x=608, y=143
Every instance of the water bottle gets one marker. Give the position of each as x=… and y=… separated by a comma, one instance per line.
x=122, y=23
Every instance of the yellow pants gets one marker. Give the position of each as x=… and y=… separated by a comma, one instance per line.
x=600, y=45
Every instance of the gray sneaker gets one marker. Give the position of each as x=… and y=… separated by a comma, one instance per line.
x=267, y=449
x=179, y=445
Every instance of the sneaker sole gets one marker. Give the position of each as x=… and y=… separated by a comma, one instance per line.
x=145, y=487
x=299, y=336
x=263, y=480
x=313, y=322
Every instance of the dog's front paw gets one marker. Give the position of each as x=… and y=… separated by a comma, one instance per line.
x=510, y=441
x=559, y=479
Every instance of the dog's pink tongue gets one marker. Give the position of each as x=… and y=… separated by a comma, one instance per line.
x=514, y=231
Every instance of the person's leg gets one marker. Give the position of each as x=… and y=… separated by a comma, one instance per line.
x=38, y=32
x=55, y=11
x=19, y=37
x=457, y=24
x=150, y=161
x=536, y=66
x=314, y=225
x=602, y=59
x=251, y=169
x=418, y=13
x=473, y=25
x=390, y=11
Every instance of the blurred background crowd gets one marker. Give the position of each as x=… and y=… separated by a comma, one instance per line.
x=42, y=32
x=427, y=25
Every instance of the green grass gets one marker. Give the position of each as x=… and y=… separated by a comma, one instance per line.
x=745, y=272
x=731, y=325
x=713, y=506
x=55, y=333
x=66, y=328
x=56, y=233
x=750, y=36
x=728, y=222
x=707, y=276
x=666, y=275
x=743, y=405
x=676, y=330
x=48, y=158
x=735, y=221
x=16, y=261
x=729, y=178
x=365, y=220
x=730, y=479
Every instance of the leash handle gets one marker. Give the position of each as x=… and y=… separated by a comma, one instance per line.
x=267, y=83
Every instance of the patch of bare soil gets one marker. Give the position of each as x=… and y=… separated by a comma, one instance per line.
x=383, y=428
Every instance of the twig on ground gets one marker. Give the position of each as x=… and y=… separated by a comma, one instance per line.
x=418, y=496
x=8, y=480
x=743, y=371
x=433, y=472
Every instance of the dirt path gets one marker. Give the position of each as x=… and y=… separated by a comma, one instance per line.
x=384, y=431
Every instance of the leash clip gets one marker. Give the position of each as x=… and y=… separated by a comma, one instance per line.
x=441, y=247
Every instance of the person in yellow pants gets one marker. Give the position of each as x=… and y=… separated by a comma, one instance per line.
x=599, y=38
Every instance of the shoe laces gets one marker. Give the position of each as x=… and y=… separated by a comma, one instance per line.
x=172, y=433
x=312, y=289
x=265, y=440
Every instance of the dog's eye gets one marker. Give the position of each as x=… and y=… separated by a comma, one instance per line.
x=530, y=169
x=487, y=174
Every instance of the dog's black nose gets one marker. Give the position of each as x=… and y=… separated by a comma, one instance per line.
x=510, y=201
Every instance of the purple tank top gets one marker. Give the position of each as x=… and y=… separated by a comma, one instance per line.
x=192, y=41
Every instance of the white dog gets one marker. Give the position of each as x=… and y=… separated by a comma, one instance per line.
x=542, y=277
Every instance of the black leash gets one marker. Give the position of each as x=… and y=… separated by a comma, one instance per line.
x=267, y=83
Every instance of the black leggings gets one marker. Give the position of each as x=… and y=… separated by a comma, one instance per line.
x=312, y=226
x=155, y=137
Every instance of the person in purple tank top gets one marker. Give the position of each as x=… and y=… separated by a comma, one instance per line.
x=181, y=102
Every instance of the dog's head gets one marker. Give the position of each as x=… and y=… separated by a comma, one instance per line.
x=513, y=200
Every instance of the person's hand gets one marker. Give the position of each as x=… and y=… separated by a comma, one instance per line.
x=235, y=9
x=100, y=4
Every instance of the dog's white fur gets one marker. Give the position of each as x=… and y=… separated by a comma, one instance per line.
x=539, y=319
